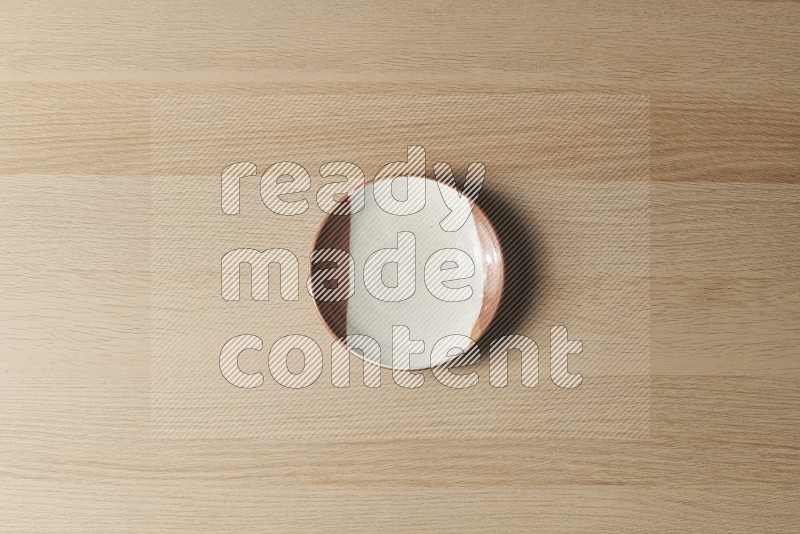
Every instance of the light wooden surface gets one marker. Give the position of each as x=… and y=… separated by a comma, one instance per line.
x=76, y=87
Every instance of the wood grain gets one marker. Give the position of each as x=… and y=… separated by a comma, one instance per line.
x=76, y=87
